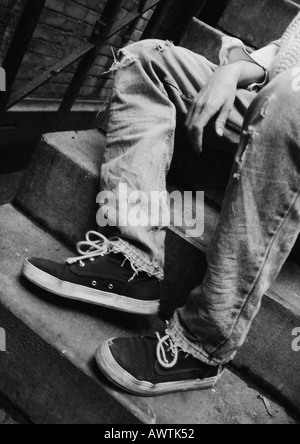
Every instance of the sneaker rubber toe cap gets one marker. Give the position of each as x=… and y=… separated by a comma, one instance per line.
x=52, y=268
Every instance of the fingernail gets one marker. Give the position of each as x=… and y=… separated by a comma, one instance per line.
x=220, y=132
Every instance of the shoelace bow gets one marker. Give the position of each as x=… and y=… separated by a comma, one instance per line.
x=95, y=245
x=100, y=246
x=164, y=346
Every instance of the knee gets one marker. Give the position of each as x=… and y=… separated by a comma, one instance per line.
x=277, y=104
x=284, y=90
x=144, y=50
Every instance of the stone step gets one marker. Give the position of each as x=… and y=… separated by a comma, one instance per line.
x=49, y=369
x=203, y=39
x=59, y=192
x=9, y=184
x=258, y=22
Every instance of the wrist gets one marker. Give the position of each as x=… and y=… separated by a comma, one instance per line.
x=230, y=74
x=246, y=73
x=235, y=71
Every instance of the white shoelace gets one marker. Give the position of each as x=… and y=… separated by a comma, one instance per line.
x=95, y=245
x=166, y=342
x=100, y=246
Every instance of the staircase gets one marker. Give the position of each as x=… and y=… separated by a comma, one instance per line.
x=49, y=369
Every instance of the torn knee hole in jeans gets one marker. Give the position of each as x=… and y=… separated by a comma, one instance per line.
x=240, y=158
x=123, y=59
x=163, y=46
x=265, y=108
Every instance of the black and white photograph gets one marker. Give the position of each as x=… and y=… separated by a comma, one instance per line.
x=149, y=215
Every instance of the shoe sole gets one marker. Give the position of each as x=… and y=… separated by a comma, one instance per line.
x=124, y=380
x=81, y=293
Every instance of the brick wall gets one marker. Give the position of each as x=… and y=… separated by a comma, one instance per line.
x=5, y=14
x=63, y=26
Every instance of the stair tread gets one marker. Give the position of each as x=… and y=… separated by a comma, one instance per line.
x=260, y=22
x=76, y=330
x=47, y=194
x=72, y=141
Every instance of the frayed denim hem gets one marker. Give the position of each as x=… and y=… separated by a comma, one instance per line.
x=177, y=334
x=138, y=264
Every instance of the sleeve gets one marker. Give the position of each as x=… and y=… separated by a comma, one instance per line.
x=234, y=50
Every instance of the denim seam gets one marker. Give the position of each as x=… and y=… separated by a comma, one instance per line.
x=259, y=273
x=162, y=175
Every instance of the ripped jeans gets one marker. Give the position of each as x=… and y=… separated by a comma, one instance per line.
x=155, y=84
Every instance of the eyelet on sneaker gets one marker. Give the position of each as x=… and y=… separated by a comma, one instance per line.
x=94, y=283
x=92, y=259
x=111, y=287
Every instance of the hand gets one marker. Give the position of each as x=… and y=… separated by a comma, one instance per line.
x=217, y=97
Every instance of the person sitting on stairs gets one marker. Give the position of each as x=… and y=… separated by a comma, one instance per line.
x=159, y=87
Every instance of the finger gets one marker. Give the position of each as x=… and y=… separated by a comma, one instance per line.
x=205, y=116
x=198, y=141
x=194, y=113
x=196, y=138
x=196, y=127
x=199, y=124
x=222, y=119
x=190, y=115
x=196, y=117
x=195, y=109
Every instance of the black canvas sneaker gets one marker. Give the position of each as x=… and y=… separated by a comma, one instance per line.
x=151, y=366
x=98, y=277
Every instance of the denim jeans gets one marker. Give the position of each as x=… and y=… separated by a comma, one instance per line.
x=155, y=84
